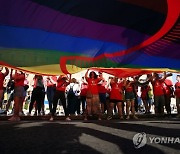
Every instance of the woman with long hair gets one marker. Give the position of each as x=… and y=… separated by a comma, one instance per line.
x=62, y=83
x=37, y=94
x=130, y=98
x=116, y=98
x=92, y=96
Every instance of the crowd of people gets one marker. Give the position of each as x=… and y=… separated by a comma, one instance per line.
x=92, y=96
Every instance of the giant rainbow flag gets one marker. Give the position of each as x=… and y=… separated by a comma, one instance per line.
x=67, y=36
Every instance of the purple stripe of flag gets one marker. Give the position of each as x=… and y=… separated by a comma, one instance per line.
x=25, y=13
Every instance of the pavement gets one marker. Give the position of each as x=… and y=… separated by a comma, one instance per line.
x=40, y=136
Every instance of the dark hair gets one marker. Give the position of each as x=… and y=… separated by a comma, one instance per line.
x=157, y=76
x=95, y=75
x=64, y=78
x=39, y=77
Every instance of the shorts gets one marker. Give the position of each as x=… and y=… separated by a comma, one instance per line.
x=129, y=96
x=19, y=91
x=159, y=101
x=115, y=101
x=150, y=101
x=177, y=101
x=102, y=98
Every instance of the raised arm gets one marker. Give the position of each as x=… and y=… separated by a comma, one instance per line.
x=127, y=83
x=7, y=71
x=164, y=77
x=100, y=76
x=52, y=81
x=68, y=79
x=11, y=77
x=18, y=77
x=86, y=75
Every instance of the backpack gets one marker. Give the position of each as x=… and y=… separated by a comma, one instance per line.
x=71, y=93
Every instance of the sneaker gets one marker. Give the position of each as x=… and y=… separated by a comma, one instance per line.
x=4, y=113
x=51, y=119
x=28, y=114
x=127, y=118
x=68, y=119
x=14, y=118
x=121, y=118
x=21, y=114
x=99, y=119
x=109, y=117
x=49, y=113
x=134, y=117
x=178, y=116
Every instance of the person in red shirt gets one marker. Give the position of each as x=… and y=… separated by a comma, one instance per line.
x=92, y=96
x=159, y=100
x=130, y=97
x=168, y=93
x=116, y=97
x=19, y=93
x=62, y=83
x=2, y=77
x=102, y=92
x=177, y=94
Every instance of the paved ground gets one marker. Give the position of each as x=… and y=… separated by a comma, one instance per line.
x=90, y=137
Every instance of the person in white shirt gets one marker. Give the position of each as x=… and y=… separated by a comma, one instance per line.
x=73, y=92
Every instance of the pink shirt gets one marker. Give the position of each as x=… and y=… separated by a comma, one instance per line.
x=50, y=83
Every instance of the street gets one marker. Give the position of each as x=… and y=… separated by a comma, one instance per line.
x=109, y=137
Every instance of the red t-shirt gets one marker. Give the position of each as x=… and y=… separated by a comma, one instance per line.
x=19, y=79
x=166, y=85
x=129, y=88
x=1, y=80
x=121, y=85
x=101, y=88
x=144, y=92
x=158, y=88
x=83, y=89
x=61, y=85
x=116, y=91
x=177, y=89
x=93, y=86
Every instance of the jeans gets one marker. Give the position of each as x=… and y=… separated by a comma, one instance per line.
x=38, y=96
x=50, y=95
x=72, y=101
x=83, y=101
x=59, y=95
